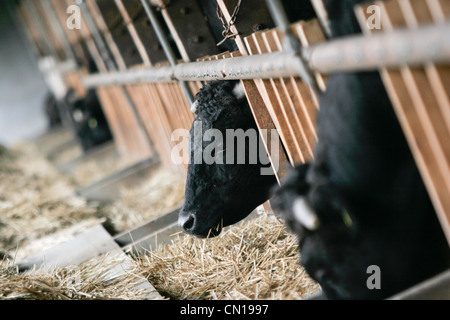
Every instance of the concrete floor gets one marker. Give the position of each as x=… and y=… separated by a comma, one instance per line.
x=22, y=89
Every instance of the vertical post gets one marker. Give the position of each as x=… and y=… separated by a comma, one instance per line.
x=166, y=46
x=322, y=14
x=97, y=36
x=51, y=81
x=112, y=67
x=40, y=25
x=291, y=43
x=51, y=15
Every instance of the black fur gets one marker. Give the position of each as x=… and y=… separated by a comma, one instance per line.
x=362, y=167
x=91, y=126
x=225, y=194
x=222, y=194
x=51, y=110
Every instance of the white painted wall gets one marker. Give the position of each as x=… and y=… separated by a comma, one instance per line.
x=22, y=90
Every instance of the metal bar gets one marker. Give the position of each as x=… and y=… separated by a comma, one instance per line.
x=166, y=46
x=128, y=237
x=112, y=67
x=159, y=32
x=322, y=15
x=97, y=37
x=291, y=43
x=282, y=22
x=412, y=47
x=51, y=15
x=37, y=20
x=357, y=53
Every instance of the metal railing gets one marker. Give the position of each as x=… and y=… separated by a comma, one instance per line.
x=356, y=53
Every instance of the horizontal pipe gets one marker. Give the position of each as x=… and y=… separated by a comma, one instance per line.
x=412, y=47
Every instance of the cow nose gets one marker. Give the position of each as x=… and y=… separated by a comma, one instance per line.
x=186, y=220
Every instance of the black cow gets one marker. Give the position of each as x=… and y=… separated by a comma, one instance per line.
x=219, y=195
x=361, y=204
x=90, y=124
x=51, y=110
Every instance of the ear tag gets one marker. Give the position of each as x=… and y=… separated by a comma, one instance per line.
x=305, y=215
x=347, y=219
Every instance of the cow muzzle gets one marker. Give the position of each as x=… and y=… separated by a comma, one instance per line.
x=191, y=224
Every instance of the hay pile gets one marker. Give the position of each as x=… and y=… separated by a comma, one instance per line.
x=38, y=210
x=88, y=281
x=256, y=260
x=36, y=200
x=163, y=192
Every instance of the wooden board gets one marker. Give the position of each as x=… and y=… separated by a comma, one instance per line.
x=163, y=108
x=129, y=137
x=291, y=104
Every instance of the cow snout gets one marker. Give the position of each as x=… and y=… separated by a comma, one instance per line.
x=186, y=221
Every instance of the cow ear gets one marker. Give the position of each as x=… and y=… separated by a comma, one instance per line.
x=194, y=107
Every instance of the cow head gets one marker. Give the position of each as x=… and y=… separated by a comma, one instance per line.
x=224, y=181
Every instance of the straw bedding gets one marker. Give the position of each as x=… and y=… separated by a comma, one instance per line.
x=256, y=260
x=35, y=200
x=88, y=281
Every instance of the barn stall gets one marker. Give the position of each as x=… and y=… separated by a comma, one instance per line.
x=146, y=60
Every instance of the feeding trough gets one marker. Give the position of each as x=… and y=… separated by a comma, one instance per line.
x=110, y=187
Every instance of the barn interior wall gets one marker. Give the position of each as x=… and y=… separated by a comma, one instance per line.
x=22, y=89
